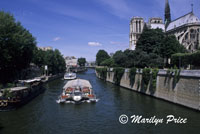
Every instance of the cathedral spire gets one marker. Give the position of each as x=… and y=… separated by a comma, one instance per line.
x=167, y=13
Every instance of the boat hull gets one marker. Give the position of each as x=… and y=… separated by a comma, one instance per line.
x=12, y=105
x=69, y=78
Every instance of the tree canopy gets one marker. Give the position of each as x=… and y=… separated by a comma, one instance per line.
x=52, y=58
x=108, y=62
x=150, y=41
x=155, y=41
x=81, y=61
x=101, y=56
x=120, y=58
x=133, y=58
x=16, y=47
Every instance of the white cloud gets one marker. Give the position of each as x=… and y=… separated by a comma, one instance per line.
x=94, y=44
x=56, y=38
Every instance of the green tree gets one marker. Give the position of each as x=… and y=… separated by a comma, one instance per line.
x=151, y=41
x=52, y=58
x=155, y=61
x=101, y=56
x=131, y=58
x=16, y=47
x=120, y=58
x=81, y=61
x=171, y=46
x=38, y=57
x=108, y=62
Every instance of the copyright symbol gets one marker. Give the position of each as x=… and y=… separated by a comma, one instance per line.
x=123, y=119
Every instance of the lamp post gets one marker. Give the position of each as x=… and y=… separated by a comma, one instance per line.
x=46, y=70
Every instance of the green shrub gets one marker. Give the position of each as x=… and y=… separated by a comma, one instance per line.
x=7, y=93
x=118, y=73
x=154, y=77
x=108, y=62
x=175, y=73
x=132, y=74
x=185, y=59
x=9, y=85
x=146, y=77
x=102, y=72
x=176, y=76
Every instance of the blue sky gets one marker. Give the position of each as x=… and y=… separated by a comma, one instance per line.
x=81, y=27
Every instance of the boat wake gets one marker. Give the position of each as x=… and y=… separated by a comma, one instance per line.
x=73, y=102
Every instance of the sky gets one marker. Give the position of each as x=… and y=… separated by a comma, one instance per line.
x=82, y=27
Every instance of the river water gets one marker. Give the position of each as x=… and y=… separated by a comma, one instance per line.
x=44, y=116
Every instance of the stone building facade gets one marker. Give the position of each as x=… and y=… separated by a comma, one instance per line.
x=136, y=28
x=137, y=25
x=187, y=31
x=186, y=28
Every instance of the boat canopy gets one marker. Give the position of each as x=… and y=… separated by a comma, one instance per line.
x=15, y=89
x=31, y=80
x=78, y=82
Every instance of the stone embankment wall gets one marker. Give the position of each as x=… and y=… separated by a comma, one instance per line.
x=185, y=92
x=54, y=77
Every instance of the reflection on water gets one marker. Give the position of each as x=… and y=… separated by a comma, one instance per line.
x=44, y=116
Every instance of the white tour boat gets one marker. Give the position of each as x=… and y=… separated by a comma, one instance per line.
x=70, y=76
x=77, y=91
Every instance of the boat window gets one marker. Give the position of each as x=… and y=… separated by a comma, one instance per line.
x=77, y=93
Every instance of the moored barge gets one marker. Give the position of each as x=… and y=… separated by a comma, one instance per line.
x=26, y=90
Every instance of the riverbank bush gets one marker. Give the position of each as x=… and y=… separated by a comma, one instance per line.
x=132, y=74
x=146, y=77
x=185, y=59
x=118, y=73
x=176, y=77
x=102, y=72
x=154, y=78
x=173, y=73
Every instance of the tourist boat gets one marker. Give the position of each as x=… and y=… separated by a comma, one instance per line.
x=26, y=90
x=77, y=91
x=70, y=76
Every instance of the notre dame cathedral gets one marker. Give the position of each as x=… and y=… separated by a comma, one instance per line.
x=186, y=28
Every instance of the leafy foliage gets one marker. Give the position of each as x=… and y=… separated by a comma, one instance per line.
x=154, y=41
x=108, y=62
x=16, y=47
x=154, y=77
x=132, y=74
x=137, y=58
x=150, y=41
x=146, y=77
x=81, y=61
x=120, y=58
x=118, y=73
x=52, y=58
x=102, y=72
x=101, y=56
x=7, y=93
x=185, y=59
x=171, y=46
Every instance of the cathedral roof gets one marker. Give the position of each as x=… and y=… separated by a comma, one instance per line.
x=189, y=18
